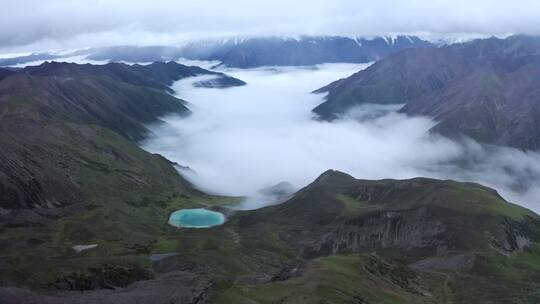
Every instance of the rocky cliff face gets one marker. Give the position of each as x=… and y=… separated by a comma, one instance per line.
x=511, y=236
x=409, y=229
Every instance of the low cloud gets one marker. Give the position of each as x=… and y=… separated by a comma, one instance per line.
x=33, y=25
x=242, y=139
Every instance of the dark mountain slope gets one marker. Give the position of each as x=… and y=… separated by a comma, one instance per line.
x=56, y=132
x=71, y=174
x=486, y=89
x=158, y=75
x=67, y=128
x=117, y=96
x=494, y=104
x=117, y=105
x=396, y=79
x=62, y=164
x=4, y=73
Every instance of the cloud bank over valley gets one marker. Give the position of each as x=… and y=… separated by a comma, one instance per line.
x=240, y=140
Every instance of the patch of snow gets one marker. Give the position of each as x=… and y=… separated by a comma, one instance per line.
x=387, y=39
x=80, y=248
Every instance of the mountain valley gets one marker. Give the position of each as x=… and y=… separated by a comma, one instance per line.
x=367, y=199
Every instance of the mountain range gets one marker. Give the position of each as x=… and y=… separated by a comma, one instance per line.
x=254, y=52
x=84, y=210
x=487, y=89
x=248, y=52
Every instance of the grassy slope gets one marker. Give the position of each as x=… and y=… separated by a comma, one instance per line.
x=69, y=173
x=496, y=276
x=344, y=279
x=114, y=175
x=243, y=256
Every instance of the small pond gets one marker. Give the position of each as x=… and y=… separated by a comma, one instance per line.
x=196, y=218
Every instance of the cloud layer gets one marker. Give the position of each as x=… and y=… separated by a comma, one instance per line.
x=28, y=24
x=242, y=139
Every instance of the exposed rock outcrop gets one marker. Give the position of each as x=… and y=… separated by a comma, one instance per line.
x=174, y=288
x=405, y=230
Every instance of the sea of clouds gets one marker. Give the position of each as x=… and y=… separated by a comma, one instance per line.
x=240, y=140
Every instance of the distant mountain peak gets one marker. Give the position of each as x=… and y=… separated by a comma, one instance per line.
x=245, y=52
x=331, y=176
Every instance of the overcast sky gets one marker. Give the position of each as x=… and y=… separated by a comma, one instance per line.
x=31, y=25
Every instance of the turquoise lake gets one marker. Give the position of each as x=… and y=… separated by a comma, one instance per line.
x=196, y=218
